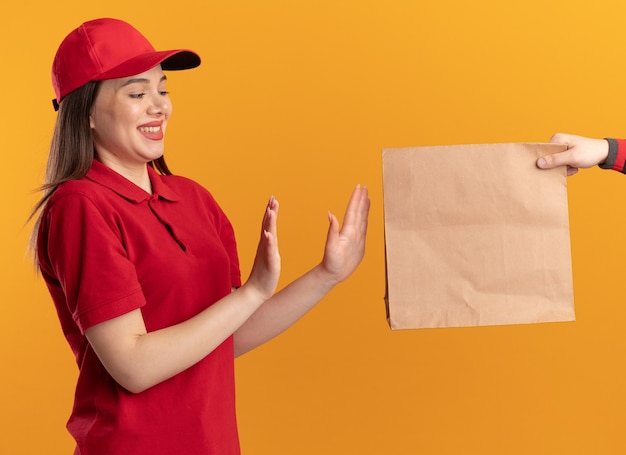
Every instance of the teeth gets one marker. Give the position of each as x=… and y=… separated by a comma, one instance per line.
x=149, y=129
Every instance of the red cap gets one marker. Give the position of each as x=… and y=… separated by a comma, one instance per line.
x=108, y=49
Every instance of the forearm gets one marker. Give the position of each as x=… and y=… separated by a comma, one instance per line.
x=283, y=310
x=138, y=360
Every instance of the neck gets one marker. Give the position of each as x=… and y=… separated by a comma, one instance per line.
x=136, y=174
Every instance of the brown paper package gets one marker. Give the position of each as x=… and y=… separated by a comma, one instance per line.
x=475, y=235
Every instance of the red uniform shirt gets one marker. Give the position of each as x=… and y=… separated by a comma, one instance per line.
x=107, y=247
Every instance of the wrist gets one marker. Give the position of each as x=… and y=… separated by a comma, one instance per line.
x=616, y=155
x=327, y=279
x=252, y=295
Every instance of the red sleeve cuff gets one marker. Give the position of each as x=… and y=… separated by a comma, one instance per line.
x=620, y=158
x=109, y=310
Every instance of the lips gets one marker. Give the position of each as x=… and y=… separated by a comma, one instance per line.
x=152, y=130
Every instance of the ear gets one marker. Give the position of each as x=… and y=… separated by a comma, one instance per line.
x=92, y=124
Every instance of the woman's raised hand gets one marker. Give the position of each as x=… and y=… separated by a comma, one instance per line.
x=345, y=246
x=266, y=268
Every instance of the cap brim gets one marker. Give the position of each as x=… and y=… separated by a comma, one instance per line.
x=173, y=60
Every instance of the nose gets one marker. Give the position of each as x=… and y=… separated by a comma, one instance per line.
x=159, y=104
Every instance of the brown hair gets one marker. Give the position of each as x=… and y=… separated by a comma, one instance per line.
x=72, y=150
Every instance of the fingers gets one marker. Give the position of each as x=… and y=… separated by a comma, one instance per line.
x=364, y=210
x=559, y=159
x=270, y=216
x=555, y=160
x=266, y=267
x=355, y=218
x=566, y=158
x=354, y=228
x=358, y=208
x=562, y=138
x=268, y=245
x=271, y=241
x=273, y=204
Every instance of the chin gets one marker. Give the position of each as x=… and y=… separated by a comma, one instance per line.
x=153, y=155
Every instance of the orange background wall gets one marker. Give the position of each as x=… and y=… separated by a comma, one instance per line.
x=297, y=99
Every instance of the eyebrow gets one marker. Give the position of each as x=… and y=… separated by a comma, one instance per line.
x=140, y=81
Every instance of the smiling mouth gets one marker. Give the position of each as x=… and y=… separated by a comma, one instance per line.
x=152, y=132
x=149, y=129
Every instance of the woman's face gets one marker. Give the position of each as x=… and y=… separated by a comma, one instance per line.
x=128, y=119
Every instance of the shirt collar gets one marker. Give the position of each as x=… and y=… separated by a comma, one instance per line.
x=106, y=176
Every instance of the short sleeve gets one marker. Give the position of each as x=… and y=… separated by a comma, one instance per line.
x=84, y=252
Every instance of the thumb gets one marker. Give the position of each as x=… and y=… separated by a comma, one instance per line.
x=333, y=225
x=552, y=161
